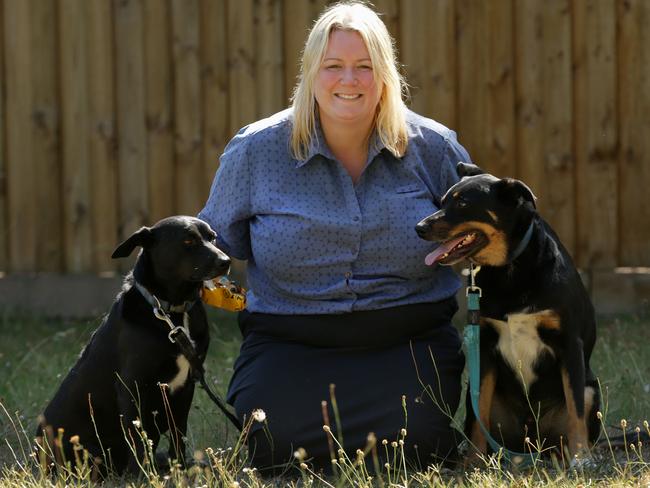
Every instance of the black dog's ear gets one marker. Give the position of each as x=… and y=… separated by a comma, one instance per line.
x=465, y=169
x=515, y=192
x=141, y=238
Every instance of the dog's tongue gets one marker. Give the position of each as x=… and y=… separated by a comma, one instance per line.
x=433, y=257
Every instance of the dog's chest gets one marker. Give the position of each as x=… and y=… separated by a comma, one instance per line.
x=183, y=365
x=520, y=344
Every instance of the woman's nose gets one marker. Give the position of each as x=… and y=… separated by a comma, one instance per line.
x=349, y=77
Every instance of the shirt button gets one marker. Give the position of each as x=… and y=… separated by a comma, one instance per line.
x=356, y=219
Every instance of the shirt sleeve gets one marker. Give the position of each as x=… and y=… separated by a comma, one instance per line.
x=228, y=209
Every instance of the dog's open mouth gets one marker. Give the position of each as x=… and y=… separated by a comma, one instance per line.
x=457, y=248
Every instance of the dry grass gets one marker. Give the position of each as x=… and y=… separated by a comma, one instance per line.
x=36, y=353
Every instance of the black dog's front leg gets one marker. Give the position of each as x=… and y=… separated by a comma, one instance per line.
x=573, y=383
x=180, y=403
x=140, y=434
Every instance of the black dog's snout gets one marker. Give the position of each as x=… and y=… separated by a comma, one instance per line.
x=221, y=263
x=422, y=228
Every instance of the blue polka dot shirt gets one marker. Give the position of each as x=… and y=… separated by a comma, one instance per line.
x=315, y=242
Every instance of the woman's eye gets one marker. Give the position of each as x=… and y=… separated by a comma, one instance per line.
x=365, y=67
x=333, y=67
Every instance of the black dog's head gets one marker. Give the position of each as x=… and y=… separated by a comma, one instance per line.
x=478, y=219
x=176, y=250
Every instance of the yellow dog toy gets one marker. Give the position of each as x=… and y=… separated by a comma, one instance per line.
x=223, y=293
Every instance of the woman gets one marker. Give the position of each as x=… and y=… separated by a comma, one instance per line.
x=321, y=200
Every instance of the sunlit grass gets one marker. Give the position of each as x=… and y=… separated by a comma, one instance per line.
x=35, y=354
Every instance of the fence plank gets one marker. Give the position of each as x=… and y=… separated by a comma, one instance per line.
x=46, y=136
x=243, y=96
x=21, y=208
x=389, y=12
x=216, y=103
x=77, y=228
x=102, y=143
x=4, y=223
x=187, y=104
x=428, y=47
x=132, y=135
x=634, y=96
x=298, y=17
x=270, y=61
x=544, y=110
x=595, y=127
x=159, y=108
x=486, y=121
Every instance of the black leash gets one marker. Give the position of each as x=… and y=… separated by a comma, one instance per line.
x=180, y=336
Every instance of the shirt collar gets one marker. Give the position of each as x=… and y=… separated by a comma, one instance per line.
x=318, y=145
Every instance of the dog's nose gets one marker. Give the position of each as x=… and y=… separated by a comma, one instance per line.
x=422, y=228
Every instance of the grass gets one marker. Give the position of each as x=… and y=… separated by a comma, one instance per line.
x=36, y=353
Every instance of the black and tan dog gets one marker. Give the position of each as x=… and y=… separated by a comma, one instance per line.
x=130, y=377
x=537, y=322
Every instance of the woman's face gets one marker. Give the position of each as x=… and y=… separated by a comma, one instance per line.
x=345, y=87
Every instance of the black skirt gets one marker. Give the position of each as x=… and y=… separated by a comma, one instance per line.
x=374, y=358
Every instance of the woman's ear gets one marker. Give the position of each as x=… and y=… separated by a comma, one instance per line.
x=140, y=238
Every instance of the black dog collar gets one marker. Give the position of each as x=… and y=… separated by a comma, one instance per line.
x=155, y=302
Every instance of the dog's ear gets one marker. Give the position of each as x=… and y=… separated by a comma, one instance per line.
x=140, y=238
x=465, y=169
x=515, y=192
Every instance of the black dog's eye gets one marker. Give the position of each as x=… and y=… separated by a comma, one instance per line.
x=190, y=241
x=461, y=203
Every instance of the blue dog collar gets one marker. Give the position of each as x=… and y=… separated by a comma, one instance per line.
x=524, y=242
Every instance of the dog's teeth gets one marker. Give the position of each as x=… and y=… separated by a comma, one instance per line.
x=444, y=255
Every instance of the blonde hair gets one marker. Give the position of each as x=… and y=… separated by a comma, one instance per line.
x=390, y=120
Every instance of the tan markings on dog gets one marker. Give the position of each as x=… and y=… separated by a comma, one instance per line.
x=548, y=319
x=181, y=377
x=493, y=216
x=455, y=195
x=495, y=252
x=520, y=344
x=576, y=426
x=488, y=383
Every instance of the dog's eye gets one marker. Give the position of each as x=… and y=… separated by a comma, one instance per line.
x=461, y=203
x=189, y=241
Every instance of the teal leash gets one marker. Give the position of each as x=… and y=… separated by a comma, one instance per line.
x=471, y=338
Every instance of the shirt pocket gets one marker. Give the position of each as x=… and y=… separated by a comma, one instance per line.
x=412, y=188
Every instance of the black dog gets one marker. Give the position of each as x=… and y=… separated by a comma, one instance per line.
x=130, y=377
x=537, y=322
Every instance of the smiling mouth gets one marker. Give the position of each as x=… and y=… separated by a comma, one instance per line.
x=347, y=97
x=457, y=248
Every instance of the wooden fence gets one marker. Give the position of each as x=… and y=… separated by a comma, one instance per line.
x=114, y=113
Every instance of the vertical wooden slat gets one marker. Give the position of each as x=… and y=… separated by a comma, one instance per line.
x=634, y=96
x=132, y=135
x=77, y=229
x=431, y=71
x=187, y=103
x=270, y=62
x=102, y=143
x=544, y=110
x=45, y=149
x=22, y=218
x=159, y=108
x=241, y=37
x=389, y=13
x=595, y=126
x=214, y=59
x=298, y=18
x=486, y=83
x=4, y=223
